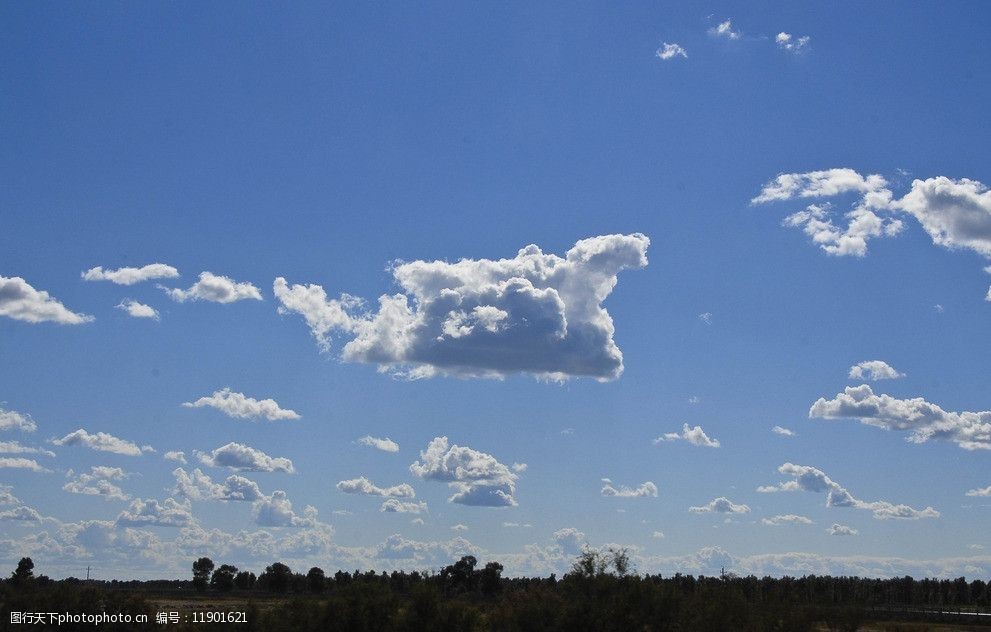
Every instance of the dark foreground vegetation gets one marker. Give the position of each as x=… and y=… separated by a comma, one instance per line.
x=599, y=593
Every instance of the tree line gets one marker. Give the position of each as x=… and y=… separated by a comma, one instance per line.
x=600, y=592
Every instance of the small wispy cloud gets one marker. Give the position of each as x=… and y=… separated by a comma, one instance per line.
x=670, y=51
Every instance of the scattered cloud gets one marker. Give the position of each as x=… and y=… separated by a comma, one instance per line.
x=658, y=535
x=721, y=505
x=276, y=511
x=20, y=301
x=956, y=214
x=706, y=317
x=779, y=520
x=138, y=310
x=130, y=276
x=695, y=436
x=923, y=420
x=647, y=489
x=571, y=540
x=874, y=370
x=984, y=492
x=99, y=481
x=20, y=463
x=476, y=477
x=175, y=455
x=536, y=313
x=841, y=529
x=670, y=51
x=238, y=405
x=459, y=527
x=13, y=420
x=364, y=486
x=16, y=447
x=150, y=513
x=237, y=456
x=102, y=442
x=216, y=289
x=784, y=432
x=386, y=445
x=792, y=44
x=725, y=29
x=810, y=479
x=394, y=505
x=196, y=485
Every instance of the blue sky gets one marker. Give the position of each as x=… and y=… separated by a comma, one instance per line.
x=345, y=147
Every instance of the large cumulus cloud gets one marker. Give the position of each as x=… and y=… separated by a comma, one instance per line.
x=535, y=313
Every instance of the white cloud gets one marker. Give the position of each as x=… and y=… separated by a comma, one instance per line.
x=364, y=486
x=216, y=289
x=476, y=477
x=955, y=213
x=138, y=310
x=517, y=525
x=23, y=513
x=695, y=436
x=792, y=44
x=841, y=529
x=276, y=511
x=721, y=505
x=670, y=51
x=459, y=527
x=725, y=29
x=657, y=535
x=13, y=420
x=519, y=468
x=175, y=455
x=924, y=420
x=393, y=505
x=647, y=489
x=149, y=512
x=196, y=485
x=234, y=404
x=570, y=540
x=779, y=520
x=16, y=447
x=536, y=313
x=386, y=445
x=20, y=301
x=706, y=317
x=784, y=432
x=20, y=463
x=130, y=276
x=874, y=370
x=99, y=481
x=863, y=222
x=810, y=479
x=237, y=456
x=985, y=492
x=102, y=442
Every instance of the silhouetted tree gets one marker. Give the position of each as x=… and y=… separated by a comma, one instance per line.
x=489, y=581
x=201, y=572
x=223, y=577
x=276, y=577
x=24, y=572
x=244, y=580
x=315, y=580
x=460, y=576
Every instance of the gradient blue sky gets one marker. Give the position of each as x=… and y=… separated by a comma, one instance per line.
x=321, y=144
